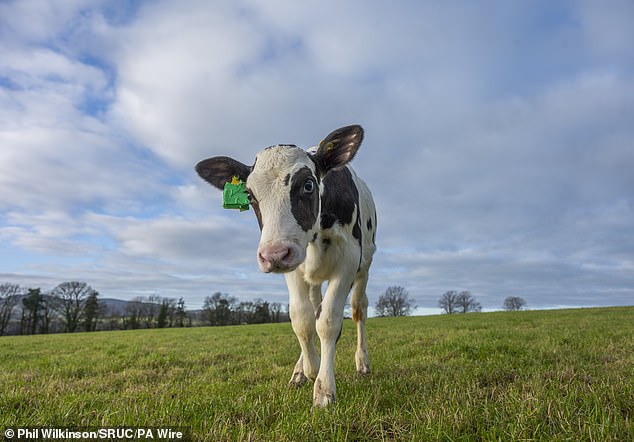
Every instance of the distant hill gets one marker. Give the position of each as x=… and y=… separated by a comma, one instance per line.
x=114, y=306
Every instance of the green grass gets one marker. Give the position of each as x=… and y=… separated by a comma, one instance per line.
x=537, y=375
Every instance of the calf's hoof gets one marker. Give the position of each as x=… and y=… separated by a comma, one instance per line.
x=321, y=397
x=362, y=362
x=297, y=380
x=324, y=400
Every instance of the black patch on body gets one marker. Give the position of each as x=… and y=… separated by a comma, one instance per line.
x=339, y=201
x=369, y=224
x=325, y=242
x=356, y=230
x=287, y=178
x=304, y=205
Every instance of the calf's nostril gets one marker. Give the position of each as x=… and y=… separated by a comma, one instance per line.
x=276, y=257
x=273, y=255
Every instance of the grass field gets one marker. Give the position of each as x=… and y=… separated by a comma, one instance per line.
x=536, y=375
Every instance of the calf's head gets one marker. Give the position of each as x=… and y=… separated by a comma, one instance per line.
x=284, y=186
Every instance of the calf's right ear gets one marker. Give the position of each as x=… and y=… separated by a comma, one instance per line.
x=220, y=170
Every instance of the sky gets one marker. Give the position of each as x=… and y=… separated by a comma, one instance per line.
x=499, y=143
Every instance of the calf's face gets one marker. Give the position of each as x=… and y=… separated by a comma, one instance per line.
x=284, y=191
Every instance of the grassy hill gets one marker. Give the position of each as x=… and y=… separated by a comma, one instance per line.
x=536, y=375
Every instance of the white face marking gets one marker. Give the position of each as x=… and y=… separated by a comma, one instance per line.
x=283, y=242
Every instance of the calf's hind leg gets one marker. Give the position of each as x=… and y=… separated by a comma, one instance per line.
x=359, y=303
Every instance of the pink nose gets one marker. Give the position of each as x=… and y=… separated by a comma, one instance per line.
x=275, y=257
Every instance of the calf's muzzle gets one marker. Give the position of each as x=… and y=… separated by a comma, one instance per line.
x=279, y=257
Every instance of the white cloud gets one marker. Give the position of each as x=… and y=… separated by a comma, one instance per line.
x=31, y=21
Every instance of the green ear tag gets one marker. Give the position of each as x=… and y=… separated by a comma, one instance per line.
x=234, y=195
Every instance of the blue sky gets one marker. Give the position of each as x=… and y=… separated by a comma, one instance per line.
x=499, y=143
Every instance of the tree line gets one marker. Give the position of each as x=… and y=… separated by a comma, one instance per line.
x=75, y=306
x=397, y=302
x=464, y=302
x=458, y=302
x=69, y=307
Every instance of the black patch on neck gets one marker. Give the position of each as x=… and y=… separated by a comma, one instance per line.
x=281, y=145
x=339, y=199
x=287, y=178
x=304, y=205
x=258, y=214
x=374, y=232
x=256, y=208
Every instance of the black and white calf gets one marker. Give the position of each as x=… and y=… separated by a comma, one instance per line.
x=318, y=223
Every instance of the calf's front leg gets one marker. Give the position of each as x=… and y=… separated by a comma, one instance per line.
x=329, y=324
x=302, y=313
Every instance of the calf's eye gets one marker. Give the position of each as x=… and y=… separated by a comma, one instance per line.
x=309, y=186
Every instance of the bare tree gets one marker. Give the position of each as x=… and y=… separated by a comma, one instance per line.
x=394, y=302
x=218, y=309
x=246, y=312
x=448, y=302
x=514, y=303
x=150, y=309
x=132, y=316
x=466, y=303
x=262, y=313
x=8, y=300
x=71, y=300
x=276, y=309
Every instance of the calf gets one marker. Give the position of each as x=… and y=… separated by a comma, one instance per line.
x=318, y=223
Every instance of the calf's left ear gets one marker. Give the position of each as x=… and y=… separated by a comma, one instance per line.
x=220, y=170
x=338, y=148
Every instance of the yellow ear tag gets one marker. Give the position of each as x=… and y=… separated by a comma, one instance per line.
x=330, y=146
x=235, y=180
